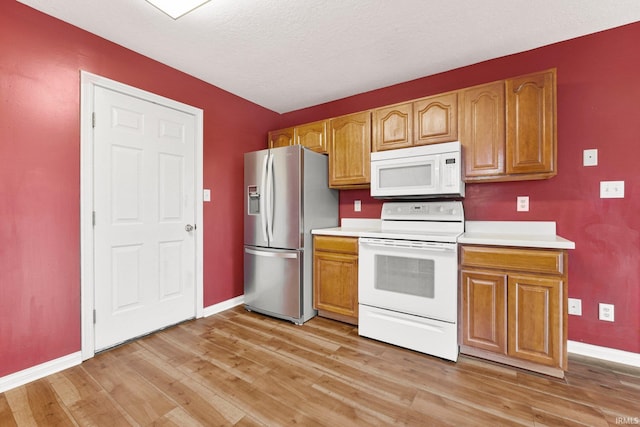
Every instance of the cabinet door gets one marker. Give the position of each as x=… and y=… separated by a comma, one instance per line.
x=535, y=316
x=531, y=124
x=281, y=138
x=436, y=119
x=312, y=135
x=335, y=283
x=484, y=310
x=482, y=134
x=393, y=127
x=350, y=151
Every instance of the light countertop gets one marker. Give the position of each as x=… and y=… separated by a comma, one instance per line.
x=351, y=227
x=533, y=234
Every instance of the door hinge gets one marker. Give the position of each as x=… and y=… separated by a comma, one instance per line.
x=93, y=218
x=94, y=316
x=93, y=120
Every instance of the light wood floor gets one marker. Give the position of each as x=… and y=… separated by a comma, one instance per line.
x=244, y=369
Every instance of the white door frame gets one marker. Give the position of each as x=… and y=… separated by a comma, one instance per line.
x=88, y=83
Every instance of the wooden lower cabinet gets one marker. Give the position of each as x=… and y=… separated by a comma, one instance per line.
x=335, y=277
x=513, y=306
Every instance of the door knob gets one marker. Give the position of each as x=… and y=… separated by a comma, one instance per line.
x=189, y=227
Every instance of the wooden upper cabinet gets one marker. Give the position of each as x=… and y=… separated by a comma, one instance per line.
x=483, y=131
x=393, y=127
x=281, y=138
x=436, y=119
x=312, y=135
x=531, y=124
x=350, y=151
x=424, y=121
x=509, y=129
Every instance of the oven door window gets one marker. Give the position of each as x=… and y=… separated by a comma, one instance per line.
x=409, y=276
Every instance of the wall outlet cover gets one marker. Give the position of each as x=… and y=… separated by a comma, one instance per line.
x=590, y=157
x=575, y=306
x=606, y=312
x=522, y=204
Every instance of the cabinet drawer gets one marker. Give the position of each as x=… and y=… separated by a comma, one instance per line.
x=531, y=260
x=336, y=244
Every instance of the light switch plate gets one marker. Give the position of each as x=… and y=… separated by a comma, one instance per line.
x=590, y=157
x=357, y=205
x=612, y=189
x=206, y=195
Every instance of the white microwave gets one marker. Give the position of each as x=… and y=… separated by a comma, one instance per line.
x=426, y=171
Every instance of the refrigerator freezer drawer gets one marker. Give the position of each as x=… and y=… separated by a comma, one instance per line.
x=272, y=282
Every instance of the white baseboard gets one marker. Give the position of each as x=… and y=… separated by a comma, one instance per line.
x=39, y=371
x=605, y=353
x=222, y=306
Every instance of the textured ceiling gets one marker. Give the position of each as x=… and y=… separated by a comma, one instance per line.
x=290, y=54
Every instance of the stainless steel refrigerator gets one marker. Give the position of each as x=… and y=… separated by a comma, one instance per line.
x=286, y=195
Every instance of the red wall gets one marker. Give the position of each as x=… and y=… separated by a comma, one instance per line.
x=598, y=107
x=40, y=176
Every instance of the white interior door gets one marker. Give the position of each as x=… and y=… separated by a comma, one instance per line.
x=144, y=204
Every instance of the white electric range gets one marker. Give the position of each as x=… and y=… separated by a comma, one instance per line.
x=408, y=277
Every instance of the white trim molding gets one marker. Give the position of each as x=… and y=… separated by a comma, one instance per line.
x=224, y=305
x=604, y=353
x=39, y=371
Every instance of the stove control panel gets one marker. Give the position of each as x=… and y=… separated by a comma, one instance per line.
x=423, y=211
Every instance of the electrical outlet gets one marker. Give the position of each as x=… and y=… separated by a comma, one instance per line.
x=522, y=204
x=357, y=205
x=575, y=306
x=606, y=312
x=590, y=157
x=612, y=189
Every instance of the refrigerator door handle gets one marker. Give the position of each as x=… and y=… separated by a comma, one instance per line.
x=269, y=197
x=263, y=207
x=271, y=254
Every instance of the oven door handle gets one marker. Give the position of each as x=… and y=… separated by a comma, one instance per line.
x=408, y=244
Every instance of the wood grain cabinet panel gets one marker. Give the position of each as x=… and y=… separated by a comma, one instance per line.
x=393, y=127
x=280, y=138
x=350, y=151
x=423, y=121
x=483, y=131
x=312, y=135
x=335, y=278
x=508, y=129
x=484, y=310
x=436, y=119
x=513, y=306
x=550, y=261
x=531, y=121
x=535, y=319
